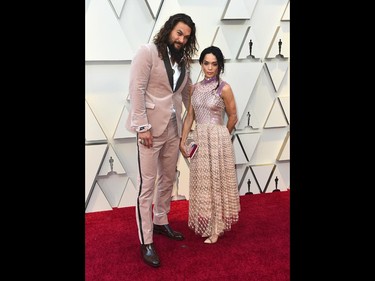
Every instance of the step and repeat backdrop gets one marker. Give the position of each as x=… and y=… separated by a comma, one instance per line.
x=254, y=37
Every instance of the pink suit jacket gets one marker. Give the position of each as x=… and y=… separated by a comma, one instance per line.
x=151, y=91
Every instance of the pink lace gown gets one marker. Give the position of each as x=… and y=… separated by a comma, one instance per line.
x=214, y=203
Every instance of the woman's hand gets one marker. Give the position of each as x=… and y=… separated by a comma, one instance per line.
x=183, y=149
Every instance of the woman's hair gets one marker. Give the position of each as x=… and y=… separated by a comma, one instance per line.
x=219, y=56
x=162, y=37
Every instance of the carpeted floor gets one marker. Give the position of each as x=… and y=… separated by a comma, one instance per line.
x=256, y=249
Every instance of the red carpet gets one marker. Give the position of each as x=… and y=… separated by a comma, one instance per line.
x=256, y=249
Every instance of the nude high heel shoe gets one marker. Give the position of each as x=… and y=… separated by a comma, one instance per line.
x=212, y=239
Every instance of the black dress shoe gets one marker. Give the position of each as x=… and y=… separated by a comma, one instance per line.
x=168, y=231
x=149, y=255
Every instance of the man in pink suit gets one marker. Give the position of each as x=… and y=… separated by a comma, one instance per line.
x=159, y=82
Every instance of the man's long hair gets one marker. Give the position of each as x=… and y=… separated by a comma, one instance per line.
x=162, y=37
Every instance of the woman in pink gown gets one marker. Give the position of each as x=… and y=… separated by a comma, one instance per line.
x=214, y=203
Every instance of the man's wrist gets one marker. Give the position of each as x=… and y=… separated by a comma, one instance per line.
x=143, y=128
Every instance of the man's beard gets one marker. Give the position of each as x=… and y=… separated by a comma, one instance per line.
x=176, y=54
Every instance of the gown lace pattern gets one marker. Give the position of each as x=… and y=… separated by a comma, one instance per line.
x=214, y=202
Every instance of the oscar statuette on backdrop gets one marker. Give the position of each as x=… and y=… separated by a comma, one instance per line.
x=248, y=187
x=177, y=196
x=111, y=160
x=250, y=56
x=248, y=120
x=279, y=55
x=276, y=181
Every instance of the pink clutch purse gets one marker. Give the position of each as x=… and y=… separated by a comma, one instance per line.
x=192, y=149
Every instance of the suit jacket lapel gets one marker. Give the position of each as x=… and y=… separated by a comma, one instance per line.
x=169, y=69
x=182, y=76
